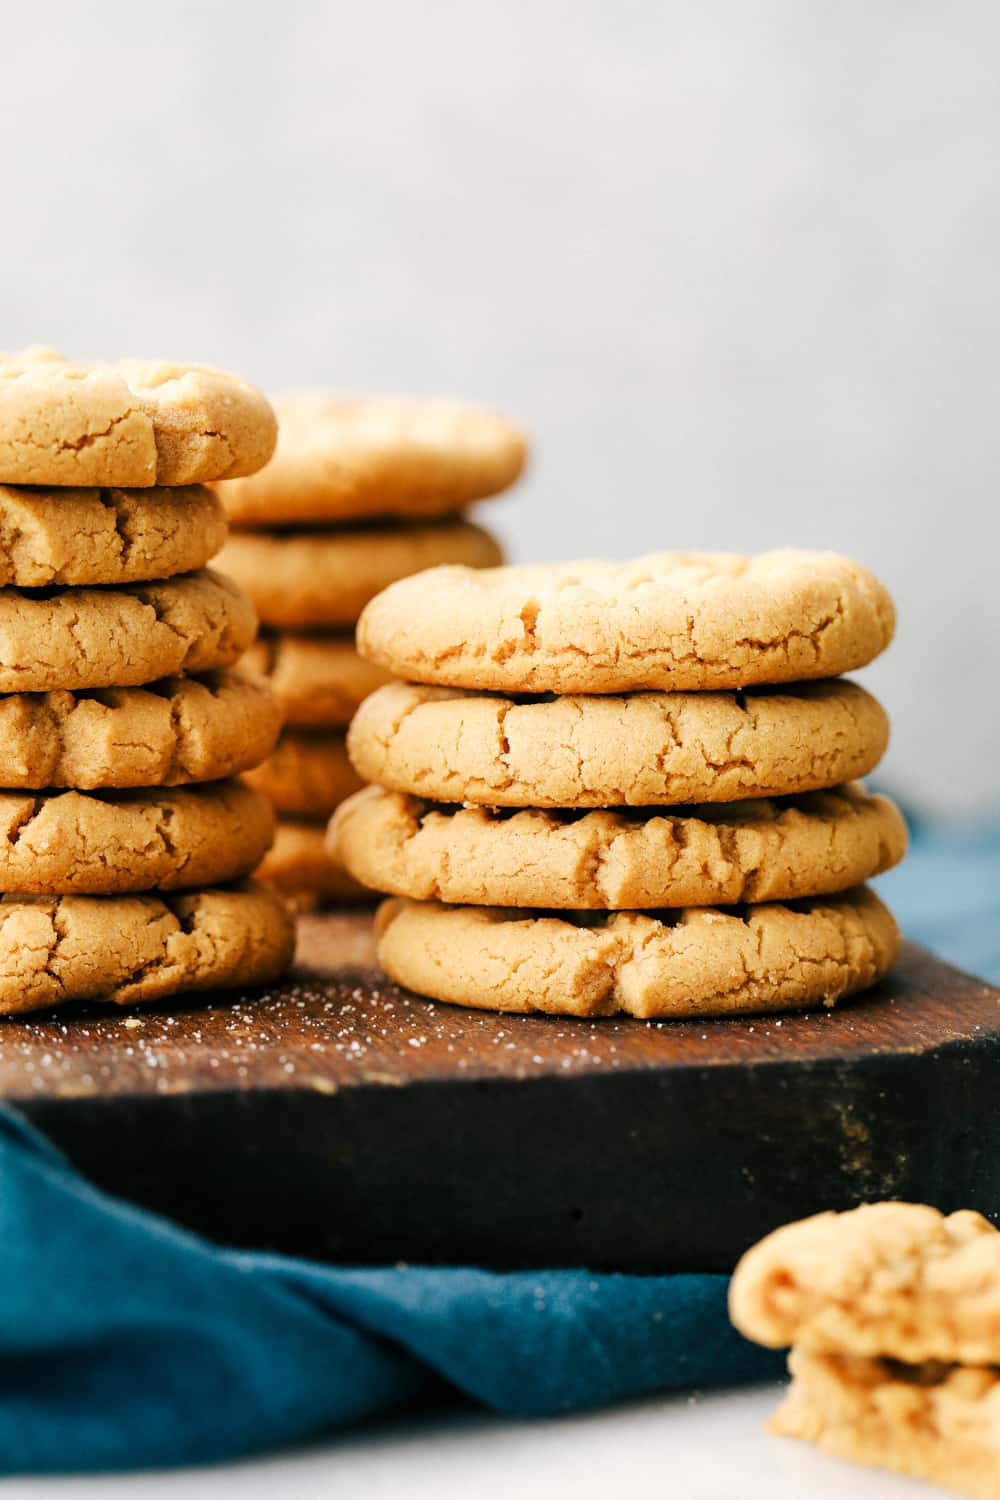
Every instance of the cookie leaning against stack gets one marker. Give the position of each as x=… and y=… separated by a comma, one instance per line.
x=124, y=835
x=359, y=494
x=626, y=787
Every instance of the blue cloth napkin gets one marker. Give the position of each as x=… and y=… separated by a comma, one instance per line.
x=125, y=1342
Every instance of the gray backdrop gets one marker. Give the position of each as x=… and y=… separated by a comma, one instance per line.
x=732, y=264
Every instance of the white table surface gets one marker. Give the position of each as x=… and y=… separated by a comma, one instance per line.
x=707, y=1447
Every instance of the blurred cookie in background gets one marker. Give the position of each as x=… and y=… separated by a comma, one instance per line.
x=361, y=493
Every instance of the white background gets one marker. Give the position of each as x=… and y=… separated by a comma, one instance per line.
x=686, y=1447
x=734, y=266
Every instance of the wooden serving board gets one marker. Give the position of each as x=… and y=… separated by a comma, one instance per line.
x=340, y=1117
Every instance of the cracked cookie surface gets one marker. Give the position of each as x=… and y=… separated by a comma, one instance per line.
x=887, y=1279
x=694, y=962
x=670, y=621
x=755, y=851
x=135, y=949
x=77, y=638
x=605, y=751
x=308, y=774
x=89, y=843
x=177, y=730
x=319, y=680
x=326, y=578
x=935, y=1422
x=342, y=459
x=87, y=536
x=299, y=866
x=132, y=423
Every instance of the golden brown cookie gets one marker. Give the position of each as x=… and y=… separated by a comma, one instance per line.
x=339, y=459
x=702, y=961
x=775, y=850
x=319, y=680
x=134, y=423
x=308, y=774
x=325, y=578
x=893, y=1279
x=131, y=949
x=673, y=620
x=638, y=751
x=932, y=1421
x=299, y=866
x=110, y=843
x=76, y=536
x=81, y=638
x=177, y=730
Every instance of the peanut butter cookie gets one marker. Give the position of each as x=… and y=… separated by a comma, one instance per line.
x=670, y=621
x=299, y=866
x=319, y=680
x=173, y=731
x=79, y=638
x=774, y=850
x=702, y=961
x=308, y=774
x=325, y=578
x=605, y=751
x=134, y=423
x=340, y=459
x=78, y=536
x=133, y=949
x=109, y=843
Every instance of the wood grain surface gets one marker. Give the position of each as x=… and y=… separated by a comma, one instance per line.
x=337, y=1115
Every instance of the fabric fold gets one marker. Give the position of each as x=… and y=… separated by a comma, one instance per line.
x=128, y=1343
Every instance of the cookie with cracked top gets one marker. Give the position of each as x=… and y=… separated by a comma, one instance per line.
x=138, y=949
x=702, y=961
x=319, y=680
x=639, y=750
x=341, y=458
x=775, y=850
x=308, y=774
x=132, y=423
x=89, y=843
x=325, y=578
x=77, y=638
x=177, y=730
x=87, y=536
x=670, y=621
x=895, y=1279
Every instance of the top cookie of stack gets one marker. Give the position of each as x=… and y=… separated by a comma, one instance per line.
x=360, y=493
x=115, y=698
x=550, y=713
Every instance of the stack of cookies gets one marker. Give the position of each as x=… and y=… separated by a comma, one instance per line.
x=626, y=787
x=360, y=493
x=124, y=831
x=893, y=1314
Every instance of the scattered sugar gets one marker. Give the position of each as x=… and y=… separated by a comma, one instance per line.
x=331, y=1027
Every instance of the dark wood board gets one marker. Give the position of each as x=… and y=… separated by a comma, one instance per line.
x=340, y=1117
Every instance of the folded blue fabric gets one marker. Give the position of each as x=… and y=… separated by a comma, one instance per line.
x=125, y=1342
